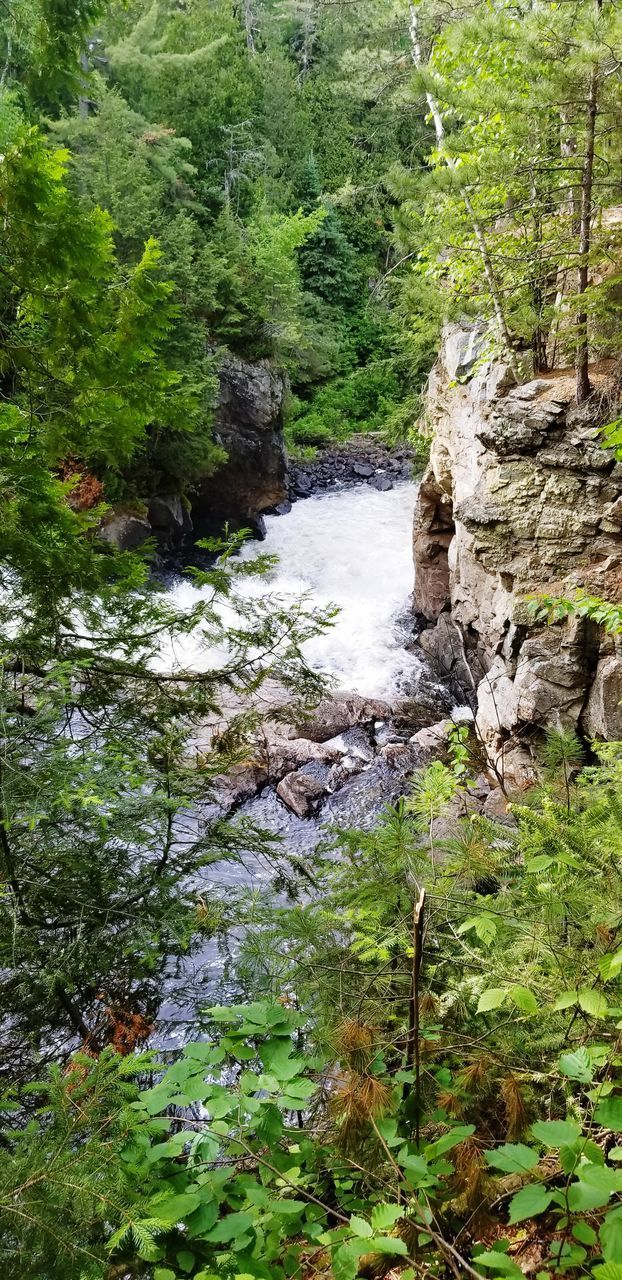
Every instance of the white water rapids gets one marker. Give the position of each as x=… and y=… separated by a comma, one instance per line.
x=351, y=548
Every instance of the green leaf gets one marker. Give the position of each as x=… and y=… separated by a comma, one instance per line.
x=164, y=1273
x=513, y=1158
x=540, y=863
x=556, y=1133
x=492, y=998
x=388, y=1244
x=565, y=1000
x=609, y=1271
x=610, y=1236
x=384, y=1216
x=448, y=1140
x=185, y=1259
x=609, y=1114
x=524, y=999
x=592, y=1002
x=360, y=1227
x=494, y=1260
x=174, y=1208
x=577, y=1066
x=529, y=1202
x=228, y=1228
x=584, y=1233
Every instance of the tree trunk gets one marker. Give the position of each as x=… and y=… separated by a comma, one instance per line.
x=585, y=234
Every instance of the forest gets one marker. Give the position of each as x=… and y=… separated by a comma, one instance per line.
x=412, y=1063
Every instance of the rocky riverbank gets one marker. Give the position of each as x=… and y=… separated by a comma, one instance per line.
x=363, y=459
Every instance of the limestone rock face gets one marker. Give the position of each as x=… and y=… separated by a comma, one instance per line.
x=519, y=498
x=249, y=426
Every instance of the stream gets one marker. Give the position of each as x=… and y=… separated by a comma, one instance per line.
x=351, y=548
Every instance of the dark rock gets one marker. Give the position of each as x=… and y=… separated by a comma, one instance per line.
x=125, y=531
x=257, y=526
x=302, y=485
x=333, y=716
x=283, y=508
x=382, y=483
x=363, y=469
x=249, y=425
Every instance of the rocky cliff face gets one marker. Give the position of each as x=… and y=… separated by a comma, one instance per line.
x=519, y=498
x=249, y=425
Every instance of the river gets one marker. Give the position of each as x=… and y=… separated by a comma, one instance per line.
x=351, y=548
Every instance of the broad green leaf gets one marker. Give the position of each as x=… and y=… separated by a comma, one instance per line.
x=608, y=1271
x=360, y=1227
x=234, y=1224
x=492, y=998
x=495, y=1260
x=185, y=1259
x=164, y=1273
x=565, y=1000
x=592, y=1002
x=388, y=1244
x=384, y=1216
x=529, y=1202
x=584, y=1233
x=609, y=1114
x=610, y=1236
x=175, y=1208
x=577, y=1066
x=582, y=1197
x=512, y=1157
x=556, y=1133
x=448, y=1140
x=524, y=999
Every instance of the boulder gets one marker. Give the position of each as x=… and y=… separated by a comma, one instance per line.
x=125, y=531
x=169, y=518
x=298, y=790
x=333, y=716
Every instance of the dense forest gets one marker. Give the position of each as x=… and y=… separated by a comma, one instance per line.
x=419, y=1069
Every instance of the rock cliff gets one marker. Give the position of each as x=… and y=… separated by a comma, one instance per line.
x=249, y=425
x=519, y=497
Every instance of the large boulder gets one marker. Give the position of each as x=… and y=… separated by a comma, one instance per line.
x=125, y=530
x=249, y=425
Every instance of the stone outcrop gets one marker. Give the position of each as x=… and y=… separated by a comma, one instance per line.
x=249, y=425
x=519, y=498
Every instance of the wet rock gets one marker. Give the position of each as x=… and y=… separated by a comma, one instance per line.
x=168, y=518
x=284, y=755
x=433, y=739
x=124, y=531
x=363, y=469
x=333, y=716
x=353, y=742
x=383, y=483
x=302, y=486
x=283, y=508
x=299, y=790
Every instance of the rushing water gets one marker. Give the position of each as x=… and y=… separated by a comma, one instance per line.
x=351, y=548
